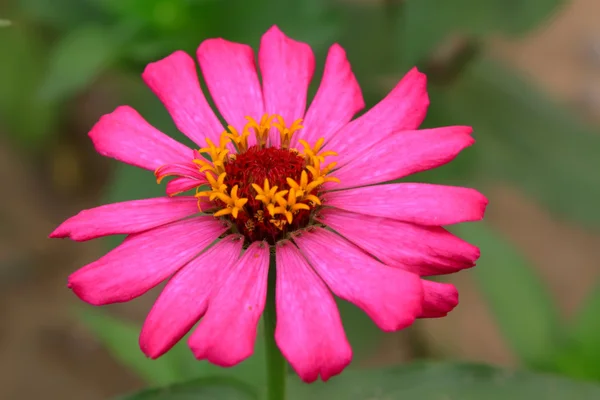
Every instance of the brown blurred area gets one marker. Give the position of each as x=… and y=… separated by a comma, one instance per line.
x=46, y=353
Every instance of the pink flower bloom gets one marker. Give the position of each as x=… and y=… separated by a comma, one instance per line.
x=305, y=185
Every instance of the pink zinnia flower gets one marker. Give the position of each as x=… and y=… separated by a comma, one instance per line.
x=305, y=185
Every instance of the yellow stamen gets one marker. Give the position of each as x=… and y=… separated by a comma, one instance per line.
x=317, y=172
x=278, y=223
x=240, y=140
x=266, y=194
x=288, y=207
x=233, y=202
x=285, y=132
x=312, y=153
x=261, y=129
x=218, y=185
x=213, y=151
x=313, y=199
x=218, y=155
x=304, y=188
x=224, y=140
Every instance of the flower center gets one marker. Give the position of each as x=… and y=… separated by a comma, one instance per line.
x=274, y=207
x=265, y=192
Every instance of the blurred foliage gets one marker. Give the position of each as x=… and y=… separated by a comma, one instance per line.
x=579, y=354
x=425, y=29
x=55, y=51
x=93, y=48
x=121, y=339
x=423, y=381
x=23, y=114
x=450, y=380
x=203, y=388
x=584, y=336
x=525, y=139
x=528, y=317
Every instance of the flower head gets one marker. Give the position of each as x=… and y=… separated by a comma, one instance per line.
x=304, y=185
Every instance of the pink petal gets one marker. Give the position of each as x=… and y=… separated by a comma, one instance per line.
x=180, y=185
x=185, y=298
x=127, y=137
x=309, y=329
x=125, y=218
x=286, y=68
x=227, y=333
x=392, y=297
x=419, y=203
x=188, y=170
x=144, y=260
x=230, y=73
x=402, y=110
x=425, y=250
x=402, y=154
x=339, y=97
x=174, y=80
x=439, y=299
x=204, y=204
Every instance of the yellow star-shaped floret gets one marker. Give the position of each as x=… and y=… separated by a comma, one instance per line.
x=287, y=207
x=234, y=203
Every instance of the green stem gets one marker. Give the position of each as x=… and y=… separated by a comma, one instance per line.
x=276, y=364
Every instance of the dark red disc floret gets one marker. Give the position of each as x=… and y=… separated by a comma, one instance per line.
x=253, y=166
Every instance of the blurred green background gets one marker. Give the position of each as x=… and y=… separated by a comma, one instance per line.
x=524, y=73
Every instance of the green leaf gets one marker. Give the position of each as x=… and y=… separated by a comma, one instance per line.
x=425, y=29
x=78, y=58
x=312, y=21
x=161, y=14
x=579, y=355
x=362, y=333
x=129, y=183
x=177, y=365
x=444, y=381
x=421, y=380
x=586, y=326
x=168, y=25
x=526, y=139
x=364, y=46
x=205, y=388
x=516, y=17
x=29, y=121
x=121, y=340
x=5, y=23
x=64, y=15
x=519, y=300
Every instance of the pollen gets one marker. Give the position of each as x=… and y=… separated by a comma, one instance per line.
x=265, y=192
